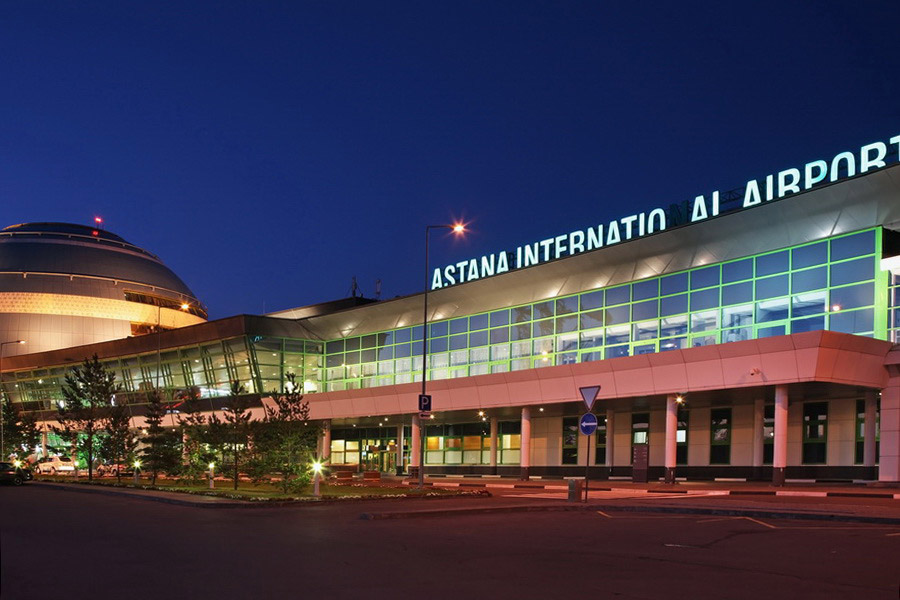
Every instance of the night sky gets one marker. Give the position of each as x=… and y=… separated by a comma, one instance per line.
x=269, y=152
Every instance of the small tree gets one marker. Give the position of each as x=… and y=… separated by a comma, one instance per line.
x=20, y=431
x=286, y=441
x=195, y=435
x=69, y=435
x=120, y=442
x=237, y=422
x=87, y=393
x=160, y=453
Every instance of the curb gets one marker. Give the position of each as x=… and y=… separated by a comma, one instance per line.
x=729, y=512
x=710, y=492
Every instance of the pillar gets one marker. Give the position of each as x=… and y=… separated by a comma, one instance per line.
x=610, y=439
x=44, y=436
x=415, y=445
x=325, y=450
x=759, y=414
x=399, y=459
x=779, y=458
x=869, y=457
x=671, y=436
x=889, y=455
x=525, y=446
x=494, y=435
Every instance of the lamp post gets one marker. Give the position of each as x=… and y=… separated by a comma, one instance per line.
x=457, y=228
x=3, y=398
x=317, y=473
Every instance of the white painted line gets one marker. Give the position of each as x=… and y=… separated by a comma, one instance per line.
x=803, y=494
x=708, y=492
x=730, y=479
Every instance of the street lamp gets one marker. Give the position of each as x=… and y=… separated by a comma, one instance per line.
x=317, y=471
x=3, y=396
x=458, y=229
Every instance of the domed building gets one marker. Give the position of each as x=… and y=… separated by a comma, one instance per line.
x=64, y=285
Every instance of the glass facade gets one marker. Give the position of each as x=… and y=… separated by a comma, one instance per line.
x=833, y=284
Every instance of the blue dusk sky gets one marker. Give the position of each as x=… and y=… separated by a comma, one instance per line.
x=268, y=152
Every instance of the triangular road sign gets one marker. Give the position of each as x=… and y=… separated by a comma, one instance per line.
x=589, y=394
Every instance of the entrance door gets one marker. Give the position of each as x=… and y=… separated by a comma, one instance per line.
x=388, y=461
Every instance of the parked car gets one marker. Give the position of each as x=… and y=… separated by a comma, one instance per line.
x=10, y=474
x=25, y=469
x=53, y=465
x=114, y=469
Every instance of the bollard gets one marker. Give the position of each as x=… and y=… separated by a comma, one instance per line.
x=575, y=490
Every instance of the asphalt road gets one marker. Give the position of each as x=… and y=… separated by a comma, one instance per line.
x=59, y=544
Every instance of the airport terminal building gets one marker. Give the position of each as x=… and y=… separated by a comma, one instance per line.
x=745, y=334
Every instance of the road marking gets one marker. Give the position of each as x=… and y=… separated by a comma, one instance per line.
x=600, y=512
x=892, y=534
x=760, y=522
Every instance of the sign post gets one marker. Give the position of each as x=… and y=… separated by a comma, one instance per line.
x=424, y=405
x=587, y=425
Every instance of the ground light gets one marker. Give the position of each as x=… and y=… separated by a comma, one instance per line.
x=317, y=471
x=212, y=473
x=137, y=468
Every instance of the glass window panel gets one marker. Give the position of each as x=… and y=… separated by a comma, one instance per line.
x=521, y=314
x=705, y=321
x=478, y=322
x=771, y=287
x=704, y=340
x=737, y=293
x=367, y=356
x=648, y=330
x=592, y=319
x=334, y=346
x=544, y=327
x=459, y=358
x=402, y=335
x=351, y=358
x=617, y=335
x=500, y=317
x=386, y=353
x=769, y=264
x=617, y=315
x=810, y=279
x=673, y=305
x=644, y=349
x=809, y=256
x=736, y=316
x=853, y=296
x=855, y=321
x=401, y=350
x=478, y=355
x=705, y=299
x=499, y=335
x=543, y=309
x=642, y=290
x=771, y=310
x=738, y=270
x=438, y=345
x=436, y=329
x=670, y=326
x=543, y=346
x=416, y=348
x=672, y=344
x=352, y=343
x=567, y=342
x=564, y=324
x=521, y=332
x=645, y=310
x=565, y=306
x=592, y=300
x=673, y=284
x=592, y=338
x=853, y=245
x=705, y=277
x=436, y=361
x=764, y=332
x=460, y=325
x=458, y=342
x=808, y=304
x=861, y=269
x=618, y=295
x=478, y=338
x=617, y=351
x=500, y=352
x=737, y=335
x=808, y=324
x=335, y=360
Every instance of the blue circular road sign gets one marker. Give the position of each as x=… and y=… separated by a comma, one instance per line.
x=588, y=423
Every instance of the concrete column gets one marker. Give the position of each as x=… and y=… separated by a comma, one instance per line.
x=415, y=445
x=869, y=457
x=779, y=459
x=889, y=454
x=494, y=435
x=610, y=439
x=399, y=458
x=671, y=439
x=325, y=450
x=525, y=448
x=759, y=413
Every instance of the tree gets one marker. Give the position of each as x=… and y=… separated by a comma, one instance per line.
x=120, y=442
x=237, y=422
x=88, y=391
x=160, y=454
x=20, y=431
x=285, y=442
x=195, y=434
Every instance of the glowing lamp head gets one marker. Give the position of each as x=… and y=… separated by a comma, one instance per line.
x=212, y=466
x=17, y=463
x=679, y=399
x=137, y=464
x=317, y=467
x=20, y=342
x=459, y=228
x=836, y=308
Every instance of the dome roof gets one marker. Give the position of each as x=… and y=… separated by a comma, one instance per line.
x=65, y=248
